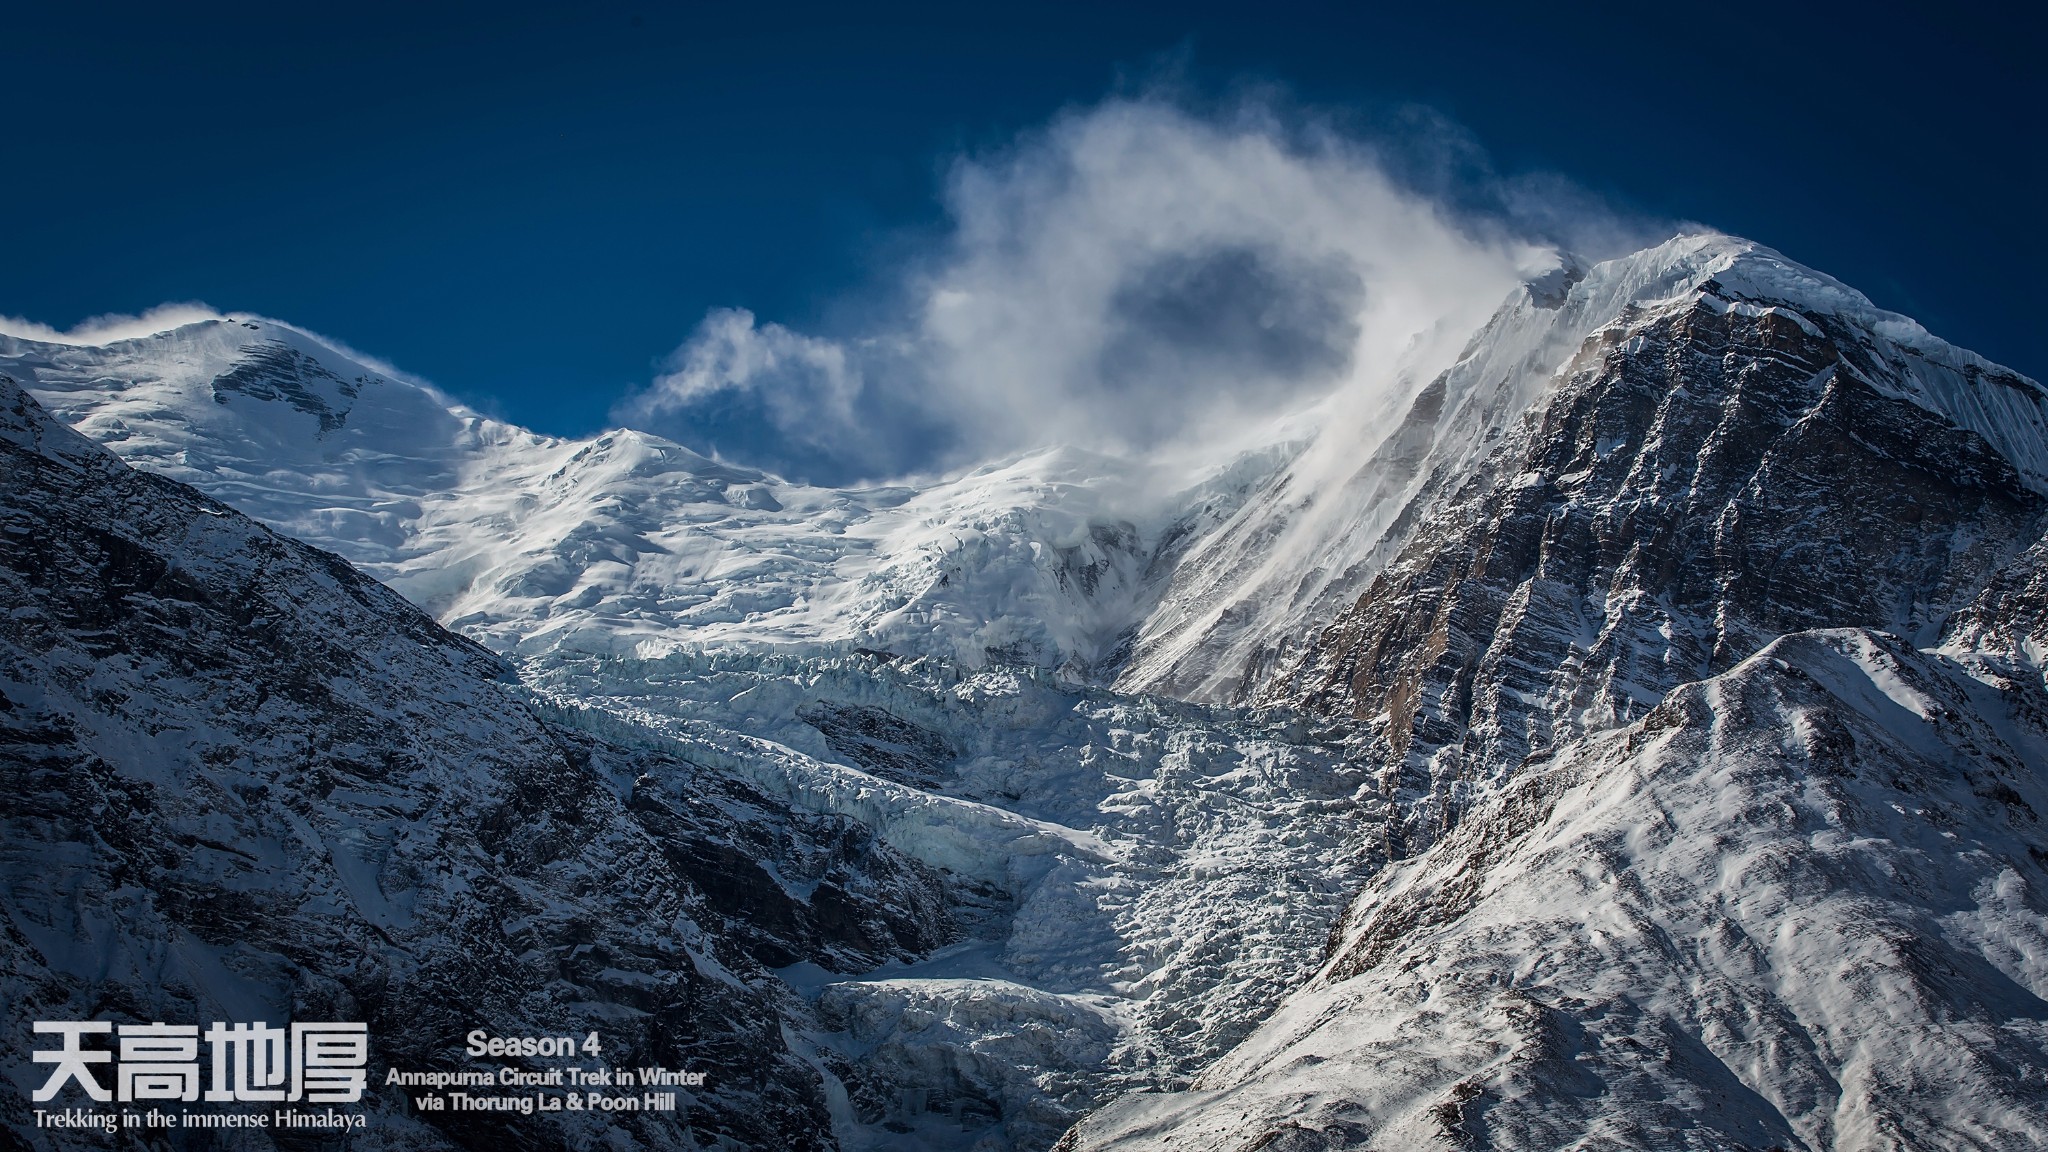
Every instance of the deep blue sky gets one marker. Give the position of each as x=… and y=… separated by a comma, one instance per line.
x=531, y=207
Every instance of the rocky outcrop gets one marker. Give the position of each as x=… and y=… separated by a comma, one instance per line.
x=277, y=371
x=2008, y=621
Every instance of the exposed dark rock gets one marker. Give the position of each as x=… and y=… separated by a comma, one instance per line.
x=886, y=745
x=1705, y=481
x=281, y=372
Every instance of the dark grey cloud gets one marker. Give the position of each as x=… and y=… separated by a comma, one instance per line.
x=1261, y=320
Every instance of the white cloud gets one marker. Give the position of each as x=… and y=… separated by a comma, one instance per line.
x=1131, y=278
x=802, y=379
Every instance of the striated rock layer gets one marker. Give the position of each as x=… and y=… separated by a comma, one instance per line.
x=1709, y=472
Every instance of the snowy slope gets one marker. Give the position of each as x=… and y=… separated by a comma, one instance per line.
x=530, y=542
x=1799, y=905
x=1245, y=602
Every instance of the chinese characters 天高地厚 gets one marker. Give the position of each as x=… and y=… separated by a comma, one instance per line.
x=318, y=1063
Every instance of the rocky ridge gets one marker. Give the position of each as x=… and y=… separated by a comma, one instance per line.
x=1709, y=472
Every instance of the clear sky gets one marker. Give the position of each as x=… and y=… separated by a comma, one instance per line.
x=533, y=207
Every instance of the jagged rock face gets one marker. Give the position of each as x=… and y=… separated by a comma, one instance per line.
x=861, y=903
x=1799, y=905
x=2009, y=619
x=1317, y=525
x=270, y=788
x=883, y=744
x=1709, y=475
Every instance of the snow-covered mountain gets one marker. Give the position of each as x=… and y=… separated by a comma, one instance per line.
x=1696, y=875
x=625, y=542
x=1250, y=598
x=1209, y=587
x=1630, y=737
x=1718, y=469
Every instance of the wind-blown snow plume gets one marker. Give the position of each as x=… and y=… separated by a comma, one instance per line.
x=113, y=326
x=1131, y=278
